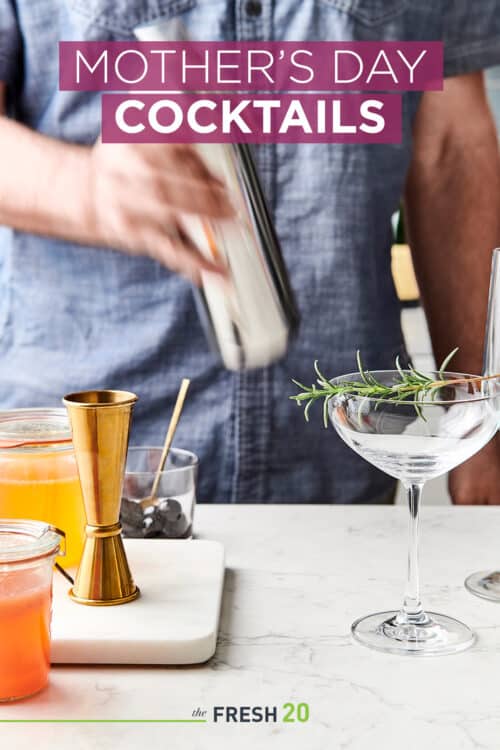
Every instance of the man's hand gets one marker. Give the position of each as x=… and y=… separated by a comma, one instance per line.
x=124, y=196
x=136, y=194
x=477, y=481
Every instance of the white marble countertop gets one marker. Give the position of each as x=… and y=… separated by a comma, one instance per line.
x=296, y=578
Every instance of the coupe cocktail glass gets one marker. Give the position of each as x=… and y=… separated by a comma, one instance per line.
x=414, y=444
x=486, y=584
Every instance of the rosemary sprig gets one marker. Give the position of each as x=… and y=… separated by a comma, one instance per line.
x=410, y=386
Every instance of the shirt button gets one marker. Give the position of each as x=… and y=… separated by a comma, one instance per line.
x=253, y=8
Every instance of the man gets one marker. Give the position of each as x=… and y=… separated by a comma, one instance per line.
x=74, y=314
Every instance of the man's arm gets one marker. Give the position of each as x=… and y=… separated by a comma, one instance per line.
x=39, y=179
x=453, y=219
x=118, y=195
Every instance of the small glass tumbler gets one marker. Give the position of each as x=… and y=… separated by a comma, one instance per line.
x=27, y=553
x=171, y=515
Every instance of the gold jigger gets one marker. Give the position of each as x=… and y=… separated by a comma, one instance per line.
x=100, y=423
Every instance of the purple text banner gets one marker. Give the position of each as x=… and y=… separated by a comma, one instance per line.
x=218, y=118
x=250, y=66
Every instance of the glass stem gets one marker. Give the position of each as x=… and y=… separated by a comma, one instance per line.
x=412, y=611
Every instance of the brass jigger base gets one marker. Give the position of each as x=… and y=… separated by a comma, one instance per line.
x=104, y=602
x=104, y=577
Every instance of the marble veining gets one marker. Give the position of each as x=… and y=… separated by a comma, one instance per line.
x=296, y=578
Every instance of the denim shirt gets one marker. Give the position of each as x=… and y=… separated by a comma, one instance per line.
x=76, y=317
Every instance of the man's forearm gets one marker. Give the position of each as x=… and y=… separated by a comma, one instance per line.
x=452, y=212
x=43, y=183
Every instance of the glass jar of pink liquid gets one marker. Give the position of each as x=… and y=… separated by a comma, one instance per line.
x=27, y=554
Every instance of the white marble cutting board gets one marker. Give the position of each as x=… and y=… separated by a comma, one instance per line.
x=174, y=621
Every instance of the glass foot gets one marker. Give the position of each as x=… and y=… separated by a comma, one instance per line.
x=485, y=584
x=434, y=635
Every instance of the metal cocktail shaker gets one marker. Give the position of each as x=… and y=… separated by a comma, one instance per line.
x=250, y=316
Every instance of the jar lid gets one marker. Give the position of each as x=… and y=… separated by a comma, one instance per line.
x=21, y=428
x=22, y=540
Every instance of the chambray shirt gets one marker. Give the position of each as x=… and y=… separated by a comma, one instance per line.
x=76, y=317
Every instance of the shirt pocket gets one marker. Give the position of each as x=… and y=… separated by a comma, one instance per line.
x=122, y=16
x=369, y=12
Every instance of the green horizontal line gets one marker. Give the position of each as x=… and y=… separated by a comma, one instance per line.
x=103, y=721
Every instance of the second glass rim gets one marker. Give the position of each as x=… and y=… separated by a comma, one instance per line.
x=166, y=470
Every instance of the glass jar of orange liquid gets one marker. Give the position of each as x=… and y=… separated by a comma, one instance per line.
x=38, y=473
x=27, y=552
